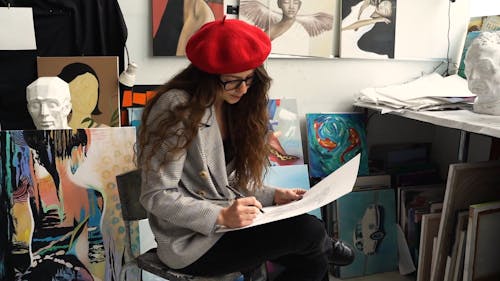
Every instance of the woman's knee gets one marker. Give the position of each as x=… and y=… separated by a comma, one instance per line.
x=309, y=229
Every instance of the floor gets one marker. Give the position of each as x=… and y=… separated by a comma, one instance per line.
x=387, y=276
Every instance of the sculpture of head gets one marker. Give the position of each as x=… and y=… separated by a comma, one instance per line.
x=49, y=103
x=482, y=69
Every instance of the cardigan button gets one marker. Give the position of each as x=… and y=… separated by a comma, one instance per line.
x=204, y=175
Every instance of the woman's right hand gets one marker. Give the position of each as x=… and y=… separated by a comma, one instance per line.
x=241, y=213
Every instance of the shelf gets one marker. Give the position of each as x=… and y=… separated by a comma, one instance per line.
x=464, y=120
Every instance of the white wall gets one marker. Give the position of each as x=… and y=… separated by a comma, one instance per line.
x=319, y=85
x=480, y=8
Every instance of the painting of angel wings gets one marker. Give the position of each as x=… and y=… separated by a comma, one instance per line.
x=303, y=28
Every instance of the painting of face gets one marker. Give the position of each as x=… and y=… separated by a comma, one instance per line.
x=290, y=8
x=93, y=83
x=84, y=93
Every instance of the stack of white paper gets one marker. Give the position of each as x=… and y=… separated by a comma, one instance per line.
x=430, y=92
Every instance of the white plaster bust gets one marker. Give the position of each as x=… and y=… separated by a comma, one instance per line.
x=482, y=68
x=49, y=103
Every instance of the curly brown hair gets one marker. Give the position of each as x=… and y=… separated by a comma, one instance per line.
x=247, y=123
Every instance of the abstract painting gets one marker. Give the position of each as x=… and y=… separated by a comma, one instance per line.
x=333, y=139
x=64, y=211
x=133, y=101
x=299, y=28
x=174, y=21
x=93, y=83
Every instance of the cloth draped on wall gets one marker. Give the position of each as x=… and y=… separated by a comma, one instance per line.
x=62, y=28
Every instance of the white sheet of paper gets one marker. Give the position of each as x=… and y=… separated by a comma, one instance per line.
x=432, y=85
x=17, y=29
x=334, y=186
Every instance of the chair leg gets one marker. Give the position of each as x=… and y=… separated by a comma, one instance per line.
x=125, y=268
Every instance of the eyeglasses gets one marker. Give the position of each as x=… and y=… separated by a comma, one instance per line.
x=235, y=84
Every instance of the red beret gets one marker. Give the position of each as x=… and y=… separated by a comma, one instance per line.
x=228, y=46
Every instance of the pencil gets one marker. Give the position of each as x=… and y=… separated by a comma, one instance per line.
x=241, y=195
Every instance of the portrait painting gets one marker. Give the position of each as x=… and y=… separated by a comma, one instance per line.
x=175, y=21
x=368, y=29
x=93, y=83
x=64, y=211
x=295, y=27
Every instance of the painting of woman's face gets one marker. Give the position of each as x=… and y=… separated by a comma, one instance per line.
x=290, y=8
x=384, y=9
x=84, y=93
x=93, y=86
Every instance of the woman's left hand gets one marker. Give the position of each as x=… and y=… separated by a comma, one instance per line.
x=284, y=195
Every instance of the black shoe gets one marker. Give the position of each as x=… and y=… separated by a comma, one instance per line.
x=341, y=253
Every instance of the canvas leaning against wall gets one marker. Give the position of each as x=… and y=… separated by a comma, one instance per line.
x=333, y=139
x=63, y=206
x=284, y=136
x=367, y=221
x=309, y=34
x=293, y=176
x=93, y=83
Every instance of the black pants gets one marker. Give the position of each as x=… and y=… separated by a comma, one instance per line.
x=299, y=244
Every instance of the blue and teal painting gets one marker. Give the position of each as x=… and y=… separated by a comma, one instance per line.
x=290, y=176
x=367, y=221
x=333, y=139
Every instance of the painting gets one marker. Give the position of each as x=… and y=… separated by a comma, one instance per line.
x=175, y=21
x=293, y=176
x=284, y=137
x=64, y=212
x=429, y=230
x=390, y=29
x=133, y=101
x=467, y=184
x=333, y=139
x=93, y=83
x=368, y=29
x=298, y=28
x=481, y=259
x=367, y=221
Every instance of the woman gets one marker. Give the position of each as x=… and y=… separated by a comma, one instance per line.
x=202, y=143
